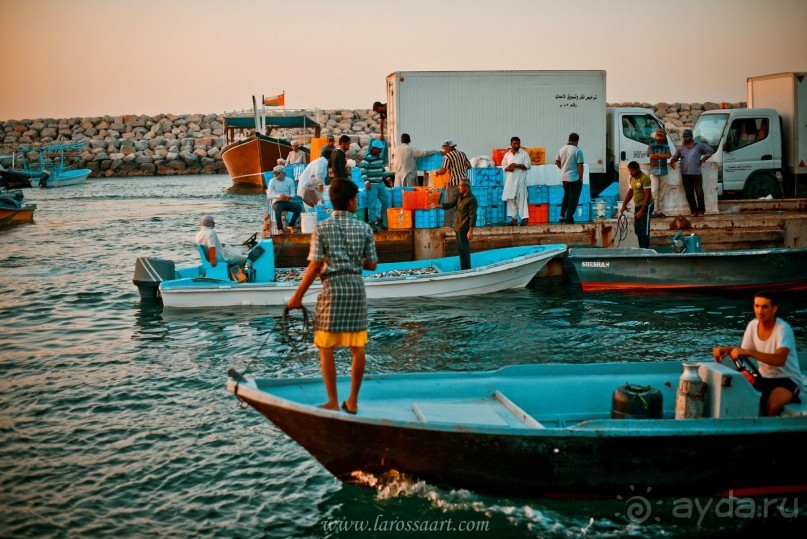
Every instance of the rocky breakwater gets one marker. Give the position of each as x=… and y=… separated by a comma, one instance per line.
x=130, y=145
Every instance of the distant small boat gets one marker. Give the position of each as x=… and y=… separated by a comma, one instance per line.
x=14, y=210
x=14, y=179
x=546, y=430
x=646, y=269
x=55, y=166
x=209, y=286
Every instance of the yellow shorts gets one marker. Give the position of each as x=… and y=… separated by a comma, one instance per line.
x=326, y=339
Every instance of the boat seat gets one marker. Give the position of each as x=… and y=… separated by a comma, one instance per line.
x=220, y=271
x=795, y=409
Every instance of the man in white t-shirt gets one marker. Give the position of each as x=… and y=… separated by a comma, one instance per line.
x=312, y=181
x=771, y=342
x=570, y=163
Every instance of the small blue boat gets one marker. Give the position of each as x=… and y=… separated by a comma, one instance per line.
x=213, y=286
x=544, y=430
x=49, y=166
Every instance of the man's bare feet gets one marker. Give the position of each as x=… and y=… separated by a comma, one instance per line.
x=330, y=406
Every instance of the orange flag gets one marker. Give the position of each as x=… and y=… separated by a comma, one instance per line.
x=275, y=101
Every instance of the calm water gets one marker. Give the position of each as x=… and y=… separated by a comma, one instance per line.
x=114, y=419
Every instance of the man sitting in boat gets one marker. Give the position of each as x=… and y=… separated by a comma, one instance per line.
x=312, y=181
x=771, y=342
x=295, y=155
x=282, y=197
x=207, y=238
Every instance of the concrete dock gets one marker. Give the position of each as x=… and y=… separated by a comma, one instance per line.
x=740, y=224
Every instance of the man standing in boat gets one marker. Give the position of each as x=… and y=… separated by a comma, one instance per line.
x=464, y=221
x=339, y=159
x=456, y=164
x=770, y=341
x=372, y=171
x=641, y=193
x=341, y=247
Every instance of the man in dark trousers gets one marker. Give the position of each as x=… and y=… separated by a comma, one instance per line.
x=570, y=163
x=464, y=221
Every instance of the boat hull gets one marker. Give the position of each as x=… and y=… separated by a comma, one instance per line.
x=248, y=159
x=18, y=216
x=644, y=269
x=605, y=458
x=13, y=179
x=65, y=178
x=516, y=273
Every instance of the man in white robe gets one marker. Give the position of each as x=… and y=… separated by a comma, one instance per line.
x=516, y=163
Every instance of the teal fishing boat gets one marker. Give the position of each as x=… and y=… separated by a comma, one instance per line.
x=49, y=166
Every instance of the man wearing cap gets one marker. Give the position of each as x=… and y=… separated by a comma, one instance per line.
x=457, y=165
x=372, y=172
x=330, y=147
x=207, y=238
x=640, y=192
x=570, y=163
x=281, y=196
x=658, y=151
x=295, y=155
x=692, y=155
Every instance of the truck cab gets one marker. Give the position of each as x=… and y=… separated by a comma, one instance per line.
x=629, y=130
x=748, y=150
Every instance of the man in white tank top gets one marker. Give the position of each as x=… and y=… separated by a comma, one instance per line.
x=771, y=342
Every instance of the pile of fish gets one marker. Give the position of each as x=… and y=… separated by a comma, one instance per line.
x=402, y=273
x=296, y=274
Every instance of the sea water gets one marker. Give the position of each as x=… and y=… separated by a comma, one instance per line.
x=115, y=421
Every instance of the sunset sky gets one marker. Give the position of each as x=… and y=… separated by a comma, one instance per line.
x=95, y=57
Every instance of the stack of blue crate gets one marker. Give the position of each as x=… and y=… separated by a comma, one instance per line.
x=486, y=177
x=429, y=218
x=432, y=162
x=481, y=216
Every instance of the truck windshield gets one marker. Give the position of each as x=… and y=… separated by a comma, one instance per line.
x=709, y=129
x=640, y=127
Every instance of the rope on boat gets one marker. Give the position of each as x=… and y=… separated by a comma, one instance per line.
x=621, y=230
x=239, y=376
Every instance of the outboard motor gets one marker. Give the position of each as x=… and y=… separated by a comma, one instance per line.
x=686, y=244
x=43, y=179
x=149, y=273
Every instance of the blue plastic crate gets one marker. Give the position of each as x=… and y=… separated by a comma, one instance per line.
x=538, y=194
x=482, y=195
x=486, y=177
x=611, y=190
x=555, y=194
x=396, y=197
x=496, y=196
x=432, y=162
x=429, y=218
x=294, y=171
x=554, y=213
x=585, y=194
x=494, y=216
x=322, y=214
x=481, y=216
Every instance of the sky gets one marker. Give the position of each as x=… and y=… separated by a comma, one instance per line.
x=82, y=58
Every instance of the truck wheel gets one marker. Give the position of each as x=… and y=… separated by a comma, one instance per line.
x=760, y=186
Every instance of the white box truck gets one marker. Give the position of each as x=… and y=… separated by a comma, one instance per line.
x=481, y=110
x=761, y=150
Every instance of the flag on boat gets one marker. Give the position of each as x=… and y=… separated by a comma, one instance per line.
x=275, y=101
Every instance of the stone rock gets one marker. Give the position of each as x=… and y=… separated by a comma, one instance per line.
x=143, y=159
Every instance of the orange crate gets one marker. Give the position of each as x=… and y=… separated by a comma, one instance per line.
x=439, y=181
x=433, y=195
x=537, y=155
x=415, y=200
x=498, y=155
x=539, y=213
x=399, y=219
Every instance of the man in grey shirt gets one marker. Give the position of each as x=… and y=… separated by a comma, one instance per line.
x=692, y=155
